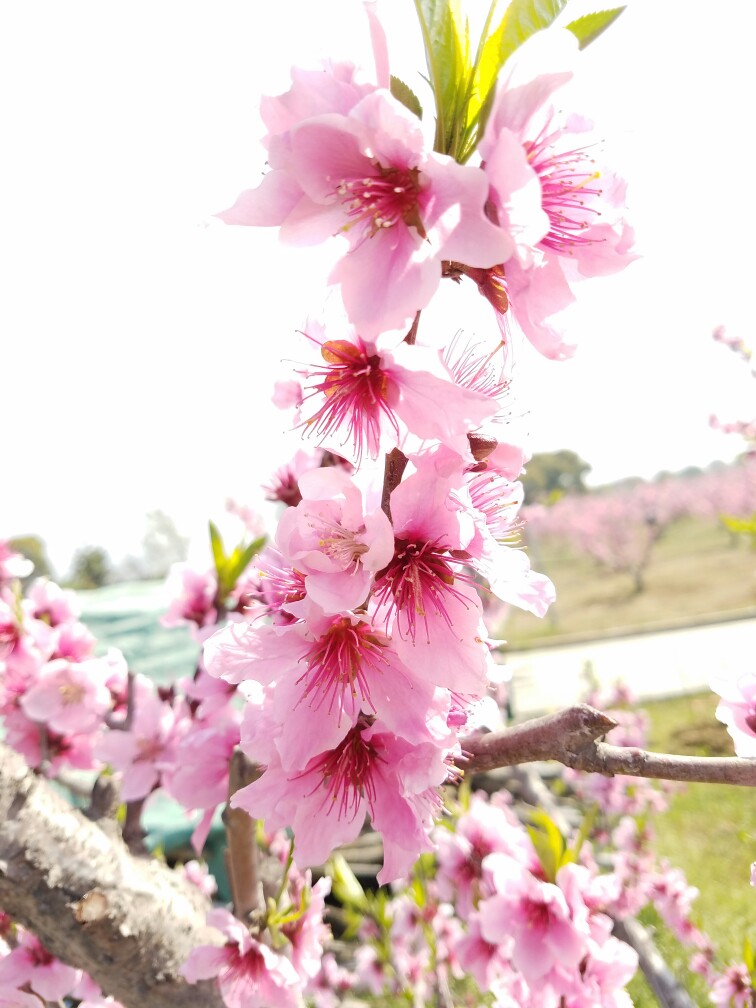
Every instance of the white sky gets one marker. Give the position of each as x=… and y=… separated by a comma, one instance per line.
x=139, y=339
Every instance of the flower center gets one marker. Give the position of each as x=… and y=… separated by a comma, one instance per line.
x=340, y=663
x=281, y=586
x=347, y=773
x=339, y=543
x=357, y=393
x=496, y=498
x=380, y=201
x=417, y=582
x=568, y=183
x=536, y=914
x=71, y=693
x=148, y=750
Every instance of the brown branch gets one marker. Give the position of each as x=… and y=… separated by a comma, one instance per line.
x=570, y=737
x=129, y=922
x=396, y=461
x=668, y=990
x=609, y=760
x=124, y=723
x=243, y=855
x=133, y=832
x=393, y=470
x=542, y=738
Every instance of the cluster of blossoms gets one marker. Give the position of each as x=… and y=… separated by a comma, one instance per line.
x=367, y=652
x=277, y=969
x=66, y=707
x=490, y=912
x=539, y=212
x=54, y=692
x=358, y=641
x=31, y=976
x=489, y=909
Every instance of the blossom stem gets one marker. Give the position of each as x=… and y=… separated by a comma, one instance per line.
x=570, y=737
x=242, y=858
x=124, y=723
x=285, y=876
x=393, y=470
x=396, y=460
x=132, y=830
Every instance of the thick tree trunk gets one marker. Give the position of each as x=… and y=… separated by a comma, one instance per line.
x=130, y=922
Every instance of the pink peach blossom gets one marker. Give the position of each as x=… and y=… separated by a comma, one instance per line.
x=333, y=541
x=368, y=400
x=535, y=914
x=249, y=974
x=563, y=209
x=69, y=697
x=737, y=710
x=147, y=751
x=366, y=175
x=370, y=770
x=30, y=963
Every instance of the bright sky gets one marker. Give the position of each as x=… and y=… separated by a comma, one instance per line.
x=140, y=339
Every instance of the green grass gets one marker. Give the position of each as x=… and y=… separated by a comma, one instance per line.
x=697, y=570
x=710, y=832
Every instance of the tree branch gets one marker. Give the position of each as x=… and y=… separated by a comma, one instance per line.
x=570, y=737
x=129, y=922
x=243, y=855
x=669, y=992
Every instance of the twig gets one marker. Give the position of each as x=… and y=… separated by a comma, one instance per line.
x=570, y=738
x=393, y=470
x=124, y=723
x=668, y=991
x=396, y=460
x=132, y=831
x=242, y=861
x=610, y=760
x=543, y=738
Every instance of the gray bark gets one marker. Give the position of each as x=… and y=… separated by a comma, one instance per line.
x=130, y=922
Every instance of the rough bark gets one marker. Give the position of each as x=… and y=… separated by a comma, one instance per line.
x=128, y=921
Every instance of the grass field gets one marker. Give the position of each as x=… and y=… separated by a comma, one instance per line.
x=697, y=570
x=710, y=832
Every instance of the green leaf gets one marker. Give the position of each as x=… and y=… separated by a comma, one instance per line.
x=239, y=560
x=216, y=545
x=549, y=844
x=748, y=957
x=522, y=19
x=346, y=887
x=587, y=29
x=447, y=54
x=404, y=94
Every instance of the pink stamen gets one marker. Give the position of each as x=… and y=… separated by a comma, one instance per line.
x=340, y=665
x=347, y=774
x=383, y=200
x=358, y=393
x=567, y=183
x=418, y=580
